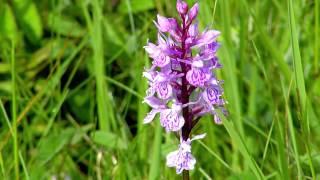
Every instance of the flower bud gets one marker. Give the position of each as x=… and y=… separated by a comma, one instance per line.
x=182, y=7
x=193, y=12
x=163, y=24
x=166, y=24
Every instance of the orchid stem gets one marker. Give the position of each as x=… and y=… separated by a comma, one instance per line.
x=185, y=175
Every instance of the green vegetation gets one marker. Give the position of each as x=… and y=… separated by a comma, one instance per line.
x=71, y=91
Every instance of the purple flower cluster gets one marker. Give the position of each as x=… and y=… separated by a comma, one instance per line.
x=183, y=86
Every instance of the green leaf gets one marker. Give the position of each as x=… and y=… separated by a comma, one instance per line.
x=29, y=19
x=8, y=28
x=52, y=145
x=238, y=139
x=65, y=25
x=136, y=6
x=108, y=140
x=78, y=136
x=5, y=86
x=154, y=172
x=243, y=175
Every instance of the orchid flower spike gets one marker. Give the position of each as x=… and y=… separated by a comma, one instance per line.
x=183, y=86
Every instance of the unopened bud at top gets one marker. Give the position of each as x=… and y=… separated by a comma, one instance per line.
x=193, y=12
x=182, y=7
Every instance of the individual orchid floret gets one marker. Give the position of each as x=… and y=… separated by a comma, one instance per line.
x=162, y=86
x=160, y=59
x=170, y=118
x=198, y=75
x=212, y=95
x=182, y=159
x=207, y=37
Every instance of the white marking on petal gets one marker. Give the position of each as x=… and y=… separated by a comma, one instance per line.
x=200, y=136
x=198, y=64
x=171, y=158
x=150, y=116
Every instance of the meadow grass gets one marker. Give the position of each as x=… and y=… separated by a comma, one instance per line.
x=71, y=91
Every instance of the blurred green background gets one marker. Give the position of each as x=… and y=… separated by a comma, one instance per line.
x=71, y=89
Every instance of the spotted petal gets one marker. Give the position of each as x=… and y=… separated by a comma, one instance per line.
x=212, y=95
x=181, y=159
x=161, y=60
x=171, y=120
x=164, y=90
x=198, y=77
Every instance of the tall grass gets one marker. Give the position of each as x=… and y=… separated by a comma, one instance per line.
x=14, y=112
x=71, y=91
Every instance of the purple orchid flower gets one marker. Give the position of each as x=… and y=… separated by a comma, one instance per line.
x=182, y=85
x=182, y=159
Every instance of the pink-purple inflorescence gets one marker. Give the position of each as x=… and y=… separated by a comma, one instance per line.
x=183, y=87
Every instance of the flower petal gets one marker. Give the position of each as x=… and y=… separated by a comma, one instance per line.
x=198, y=77
x=171, y=158
x=150, y=92
x=150, y=75
x=171, y=120
x=212, y=95
x=151, y=48
x=150, y=116
x=207, y=37
x=217, y=119
x=181, y=160
x=161, y=60
x=193, y=30
x=197, y=137
x=164, y=90
x=154, y=102
x=166, y=24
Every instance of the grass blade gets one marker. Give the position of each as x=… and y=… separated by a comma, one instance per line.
x=14, y=113
x=27, y=177
x=156, y=154
x=292, y=130
x=281, y=147
x=299, y=77
x=316, y=32
x=105, y=111
x=5, y=116
x=215, y=155
x=298, y=69
x=267, y=145
x=236, y=137
x=2, y=165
